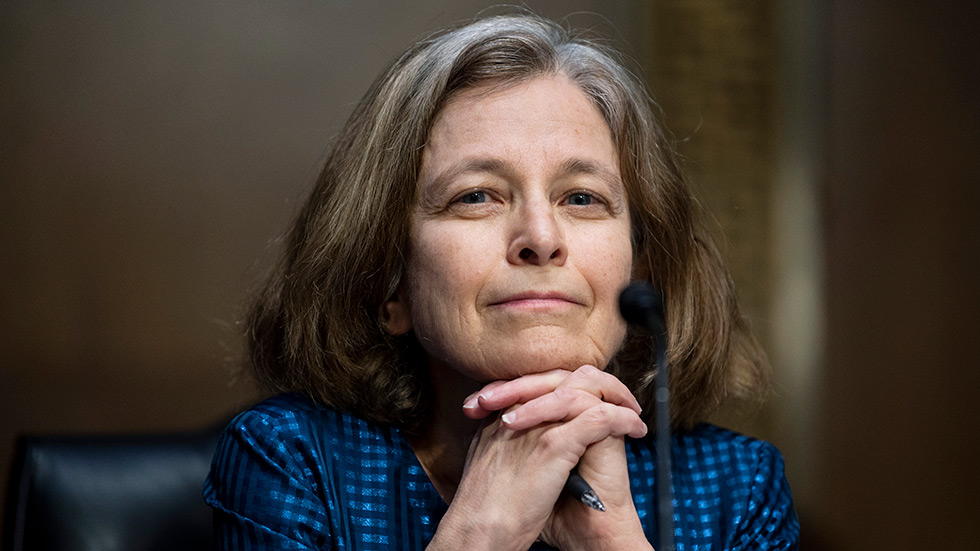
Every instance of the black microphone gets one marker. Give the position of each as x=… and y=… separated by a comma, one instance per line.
x=643, y=305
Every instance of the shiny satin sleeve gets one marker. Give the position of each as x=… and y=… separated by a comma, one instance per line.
x=766, y=519
x=263, y=486
x=291, y=474
x=730, y=491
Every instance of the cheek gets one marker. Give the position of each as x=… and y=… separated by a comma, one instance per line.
x=620, y=270
x=445, y=276
x=608, y=257
x=447, y=258
x=609, y=262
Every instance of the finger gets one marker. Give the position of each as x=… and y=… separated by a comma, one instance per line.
x=472, y=405
x=562, y=405
x=500, y=395
x=604, y=420
x=571, y=439
x=605, y=385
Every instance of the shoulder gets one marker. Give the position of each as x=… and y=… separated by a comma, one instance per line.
x=283, y=413
x=293, y=426
x=709, y=445
x=740, y=469
x=277, y=476
x=729, y=489
x=706, y=448
x=268, y=439
x=747, y=476
x=286, y=414
x=291, y=438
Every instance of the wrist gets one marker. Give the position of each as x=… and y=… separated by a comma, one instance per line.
x=600, y=531
x=479, y=530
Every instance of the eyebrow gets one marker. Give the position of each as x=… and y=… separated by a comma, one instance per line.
x=570, y=167
x=573, y=167
x=429, y=195
x=615, y=188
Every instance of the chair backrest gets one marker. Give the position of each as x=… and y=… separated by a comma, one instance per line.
x=132, y=493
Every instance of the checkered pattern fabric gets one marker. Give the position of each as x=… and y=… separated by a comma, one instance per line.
x=290, y=474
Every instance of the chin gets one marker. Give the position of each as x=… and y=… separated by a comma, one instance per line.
x=538, y=357
x=508, y=356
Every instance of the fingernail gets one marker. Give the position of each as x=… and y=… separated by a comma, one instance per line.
x=507, y=418
x=486, y=394
x=471, y=402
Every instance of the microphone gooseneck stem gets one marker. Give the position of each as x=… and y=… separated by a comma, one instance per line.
x=665, y=497
x=643, y=305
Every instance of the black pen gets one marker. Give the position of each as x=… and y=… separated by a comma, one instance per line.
x=578, y=488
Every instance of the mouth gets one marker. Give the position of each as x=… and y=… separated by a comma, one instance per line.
x=537, y=301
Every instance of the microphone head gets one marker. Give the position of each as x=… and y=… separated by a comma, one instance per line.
x=643, y=304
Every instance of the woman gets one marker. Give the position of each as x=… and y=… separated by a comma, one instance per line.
x=444, y=330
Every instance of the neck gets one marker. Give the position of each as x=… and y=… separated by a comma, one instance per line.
x=443, y=441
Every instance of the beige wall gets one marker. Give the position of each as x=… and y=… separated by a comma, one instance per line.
x=898, y=411
x=836, y=144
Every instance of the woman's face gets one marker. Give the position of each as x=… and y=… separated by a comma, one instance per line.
x=520, y=235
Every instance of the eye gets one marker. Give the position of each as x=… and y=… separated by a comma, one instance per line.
x=580, y=199
x=473, y=198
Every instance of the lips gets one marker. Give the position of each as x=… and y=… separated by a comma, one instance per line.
x=537, y=299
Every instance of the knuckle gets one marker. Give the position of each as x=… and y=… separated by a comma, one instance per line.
x=587, y=373
x=564, y=394
x=611, y=380
x=601, y=413
x=588, y=370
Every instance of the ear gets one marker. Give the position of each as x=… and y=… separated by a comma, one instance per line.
x=396, y=316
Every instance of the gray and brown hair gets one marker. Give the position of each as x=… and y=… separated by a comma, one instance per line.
x=316, y=326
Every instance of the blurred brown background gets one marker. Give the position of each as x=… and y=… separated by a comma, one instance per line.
x=151, y=153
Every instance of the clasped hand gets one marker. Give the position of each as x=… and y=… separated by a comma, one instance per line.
x=535, y=430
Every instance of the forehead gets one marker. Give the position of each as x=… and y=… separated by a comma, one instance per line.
x=544, y=116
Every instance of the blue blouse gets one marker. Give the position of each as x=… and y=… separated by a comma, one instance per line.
x=290, y=474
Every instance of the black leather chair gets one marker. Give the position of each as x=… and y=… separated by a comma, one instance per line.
x=129, y=493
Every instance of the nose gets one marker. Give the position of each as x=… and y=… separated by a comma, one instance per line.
x=537, y=236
